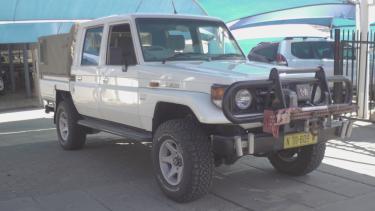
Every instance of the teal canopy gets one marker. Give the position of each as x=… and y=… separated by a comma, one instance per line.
x=23, y=21
x=19, y=10
x=230, y=10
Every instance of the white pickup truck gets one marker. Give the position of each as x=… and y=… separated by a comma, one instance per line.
x=183, y=83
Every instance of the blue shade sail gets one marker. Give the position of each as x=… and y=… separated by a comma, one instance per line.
x=29, y=32
x=230, y=10
x=315, y=15
x=60, y=14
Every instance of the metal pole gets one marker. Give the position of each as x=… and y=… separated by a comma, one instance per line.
x=337, y=90
x=26, y=70
x=363, y=84
x=35, y=58
x=11, y=68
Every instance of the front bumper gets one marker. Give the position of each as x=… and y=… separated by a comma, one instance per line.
x=263, y=143
x=281, y=112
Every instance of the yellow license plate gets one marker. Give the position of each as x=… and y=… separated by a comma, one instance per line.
x=299, y=139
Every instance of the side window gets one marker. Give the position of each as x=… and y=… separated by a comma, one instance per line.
x=120, y=49
x=91, y=46
x=302, y=50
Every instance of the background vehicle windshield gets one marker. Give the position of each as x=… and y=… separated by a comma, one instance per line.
x=313, y=50
x=177, y=39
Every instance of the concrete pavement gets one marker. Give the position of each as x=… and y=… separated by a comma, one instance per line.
x=115, y=174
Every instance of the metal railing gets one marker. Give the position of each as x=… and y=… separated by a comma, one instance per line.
x=348, y=61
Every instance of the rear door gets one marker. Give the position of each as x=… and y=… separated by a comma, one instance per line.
x=119, y=100
x=86, y=72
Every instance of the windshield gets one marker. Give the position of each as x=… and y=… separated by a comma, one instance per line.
x=181, y=39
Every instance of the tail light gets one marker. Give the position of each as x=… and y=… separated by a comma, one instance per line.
x=281, y=60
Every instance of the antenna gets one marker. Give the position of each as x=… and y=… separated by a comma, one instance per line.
x=174, y=7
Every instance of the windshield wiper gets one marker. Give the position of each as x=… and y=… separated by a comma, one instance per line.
x=178, y=55
x=228, y=56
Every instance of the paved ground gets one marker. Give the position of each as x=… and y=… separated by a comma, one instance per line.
x=17, y=101
x=114, y=174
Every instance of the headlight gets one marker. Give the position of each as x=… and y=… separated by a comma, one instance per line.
x=243, y=99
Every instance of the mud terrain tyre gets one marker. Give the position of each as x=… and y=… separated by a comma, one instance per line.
x=300, y=161
x=71, y=136
x=183, y=159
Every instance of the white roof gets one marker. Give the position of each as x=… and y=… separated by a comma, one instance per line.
x=115, y=18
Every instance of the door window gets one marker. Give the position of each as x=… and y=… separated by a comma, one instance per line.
x=91, y=46
x=121, y=48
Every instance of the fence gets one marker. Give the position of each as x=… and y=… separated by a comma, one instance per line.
x=348, y=61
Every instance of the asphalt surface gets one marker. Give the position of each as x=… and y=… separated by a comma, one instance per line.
x=111, y=173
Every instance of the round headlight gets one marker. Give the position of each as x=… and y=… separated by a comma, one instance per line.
x=243, y=99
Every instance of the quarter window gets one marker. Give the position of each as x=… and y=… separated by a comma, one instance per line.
x=268, y=52
x=91, y=46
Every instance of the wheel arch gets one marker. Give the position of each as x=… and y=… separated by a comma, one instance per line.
x=165, y=111
x=61, y=96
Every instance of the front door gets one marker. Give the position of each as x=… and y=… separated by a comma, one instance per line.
x=119, y=84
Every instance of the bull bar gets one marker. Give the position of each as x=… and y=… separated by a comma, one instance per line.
x=274, y=85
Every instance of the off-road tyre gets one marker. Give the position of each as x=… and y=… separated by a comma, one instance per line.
x=198, y=159
x=307, y=160
x=76, y=137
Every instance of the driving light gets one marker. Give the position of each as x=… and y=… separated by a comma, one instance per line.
x=243, y=99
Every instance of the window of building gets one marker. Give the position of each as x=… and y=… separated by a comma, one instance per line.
x=91, y=46
x=121, y=48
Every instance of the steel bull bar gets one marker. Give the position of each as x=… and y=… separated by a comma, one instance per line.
x=285, y=113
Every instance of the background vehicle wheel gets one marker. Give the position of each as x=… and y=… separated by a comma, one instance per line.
x=71, y=136
x=183, y=160
x=299, y=161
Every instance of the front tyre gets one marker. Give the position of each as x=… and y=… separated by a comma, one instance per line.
x=183, y=160
x=299, y=161
x=71, y=136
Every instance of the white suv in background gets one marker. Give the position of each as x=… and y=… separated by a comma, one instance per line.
x=297, y=52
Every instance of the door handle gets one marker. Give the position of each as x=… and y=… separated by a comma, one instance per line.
x=79, y=78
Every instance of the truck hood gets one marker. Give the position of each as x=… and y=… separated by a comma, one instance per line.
x=201, y=75
x=230, y=70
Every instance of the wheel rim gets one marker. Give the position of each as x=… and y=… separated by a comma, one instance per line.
x=63, y=126
x=171, y=162
x=288, y=155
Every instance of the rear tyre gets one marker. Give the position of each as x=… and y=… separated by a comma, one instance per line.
x=71, y=136
x=299, y=161
x=183, y=160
